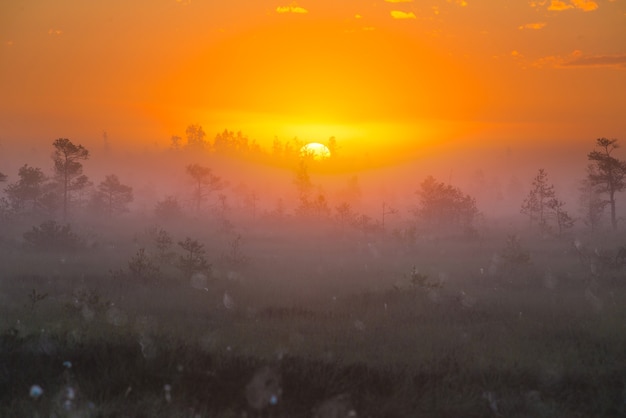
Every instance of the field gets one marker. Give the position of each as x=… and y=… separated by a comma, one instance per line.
x=346, y=324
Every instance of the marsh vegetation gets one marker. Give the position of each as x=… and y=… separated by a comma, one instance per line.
x=218, y=307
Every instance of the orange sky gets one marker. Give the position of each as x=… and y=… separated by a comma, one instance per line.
x=382, y=76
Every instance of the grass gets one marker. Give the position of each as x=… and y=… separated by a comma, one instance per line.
x=330, y=317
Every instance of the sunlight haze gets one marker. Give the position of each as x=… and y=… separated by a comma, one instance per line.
x=385, y=76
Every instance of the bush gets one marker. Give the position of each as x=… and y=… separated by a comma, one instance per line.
x=141, y=266
x=52, y=236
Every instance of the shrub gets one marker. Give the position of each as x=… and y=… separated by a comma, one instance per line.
x=52, y=236
x=141, y=266
x=194, y=259
x=513, y=254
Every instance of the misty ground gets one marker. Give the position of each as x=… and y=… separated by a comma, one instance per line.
x=401, y=323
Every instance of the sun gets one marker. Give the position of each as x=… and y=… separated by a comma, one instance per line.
x=315, y=150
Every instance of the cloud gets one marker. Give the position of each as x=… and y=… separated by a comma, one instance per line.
x=461, y=3
x=576, y=59
x=597, y=61
x=559, y=5
x=184, y=2
x=56, y=32
x=292, y=8
x=585, y=5
x=399, y=1
x=397, y=14
x=536, y=26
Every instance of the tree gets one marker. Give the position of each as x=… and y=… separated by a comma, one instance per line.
x=561, y=217
x=229, y=142
x=607, y=173
x=536, y=202
x=52, y=236
x=195, y=137
x=67, y=167
x=168, y=209
x=205, y=183
x=443, y=205
x=27, y=190
x=175, y=142
x=303, y=181
x=591, y=203
x=194, y=259
x=114, y=195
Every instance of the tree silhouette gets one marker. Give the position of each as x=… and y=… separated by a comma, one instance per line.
x=195, y=137
x=168, y=209
x=536, y=202
x=591, y=203
x=445, y=205
x=194, y=258
x=27, y=190
x=67, y=167
x=561, y=217
x=113, y=195
x=607, y=173
x=205, y=183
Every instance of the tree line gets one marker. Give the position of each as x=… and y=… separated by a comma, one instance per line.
x=440, y=205
x=38, y=194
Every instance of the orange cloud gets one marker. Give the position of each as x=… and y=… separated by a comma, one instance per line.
x=584, y=5
x=55, y=32
x=576, y=59
x=537, y=25
x=558, y=5
x=397, y=14
x=399, y=1
x=597, y=61
x=292, y=8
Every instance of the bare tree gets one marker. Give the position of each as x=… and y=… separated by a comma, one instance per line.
x=607, y=173
x=67, y=166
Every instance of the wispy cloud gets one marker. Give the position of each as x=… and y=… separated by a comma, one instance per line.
x=597, y=61
x=536, y=25
x=184, y=2
x=399, y=1
x=559, y=5
x=576, y=59
x=461, y=3
x=55, y=32
x=292, y=8
x=398, y=14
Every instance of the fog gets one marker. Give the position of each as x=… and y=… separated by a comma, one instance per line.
x=307, y=277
